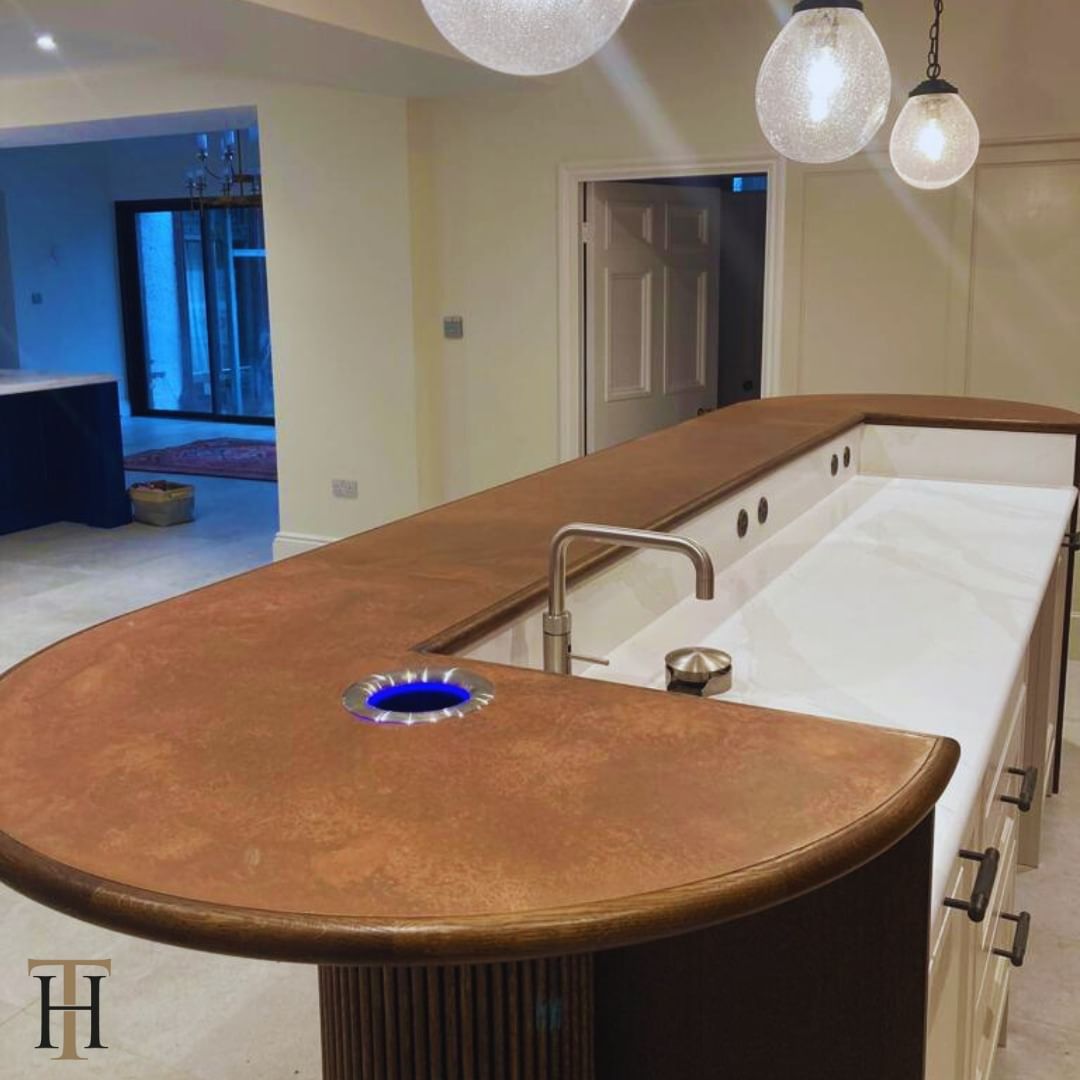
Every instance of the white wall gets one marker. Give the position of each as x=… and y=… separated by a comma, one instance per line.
x=966, y=291
x=62, y=243
x=884, y=267
x=337, y=221
x=337, y=228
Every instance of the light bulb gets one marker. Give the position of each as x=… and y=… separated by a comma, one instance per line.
x=825, y=85
x=936, y=138
x=528, y=37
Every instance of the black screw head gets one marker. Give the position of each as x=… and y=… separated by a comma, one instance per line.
x=847, y=457
x=835, y=465
x=743, y=524
x=763, y=510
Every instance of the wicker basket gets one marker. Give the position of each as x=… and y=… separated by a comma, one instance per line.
x=161, y=502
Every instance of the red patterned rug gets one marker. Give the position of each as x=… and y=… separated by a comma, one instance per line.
x=234, y=459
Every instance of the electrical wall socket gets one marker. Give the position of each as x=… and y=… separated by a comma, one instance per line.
x=345, y=489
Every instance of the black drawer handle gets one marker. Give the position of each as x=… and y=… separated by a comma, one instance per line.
x=1020, y=941
x=1027, y=788
x=983, y=888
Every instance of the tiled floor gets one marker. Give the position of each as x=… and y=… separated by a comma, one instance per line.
x=173, y=1014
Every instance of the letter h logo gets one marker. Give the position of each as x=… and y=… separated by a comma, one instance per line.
x=69, y=1007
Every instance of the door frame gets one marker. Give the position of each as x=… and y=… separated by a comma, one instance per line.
x=131, y=312
x=571, y=284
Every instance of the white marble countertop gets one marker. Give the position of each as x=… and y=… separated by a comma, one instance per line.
x=911, y=608
x=20, y=381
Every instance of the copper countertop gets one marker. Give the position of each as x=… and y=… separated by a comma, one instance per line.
x=187, y=772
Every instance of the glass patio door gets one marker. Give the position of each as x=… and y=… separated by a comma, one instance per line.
x=196, y=312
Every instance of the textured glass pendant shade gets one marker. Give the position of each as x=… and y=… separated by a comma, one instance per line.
x=528, y=37
x=825, y=85
x=935, y=141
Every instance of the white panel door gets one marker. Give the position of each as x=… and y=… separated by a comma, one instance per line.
x=652, y=267
x=1024, y=338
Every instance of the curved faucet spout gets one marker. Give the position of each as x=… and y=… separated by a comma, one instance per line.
x=557, y=621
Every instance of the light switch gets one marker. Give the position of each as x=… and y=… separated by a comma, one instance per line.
x=345, y=489
x=453, y=327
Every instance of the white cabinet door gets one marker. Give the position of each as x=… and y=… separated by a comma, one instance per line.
x=652, y=266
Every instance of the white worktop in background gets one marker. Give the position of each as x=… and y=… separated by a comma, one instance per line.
x=911, y=608
x=20, y=381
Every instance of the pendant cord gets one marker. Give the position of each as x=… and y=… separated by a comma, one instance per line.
x=933, y=66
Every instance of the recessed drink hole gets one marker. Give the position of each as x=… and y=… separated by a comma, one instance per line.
x=419, y=697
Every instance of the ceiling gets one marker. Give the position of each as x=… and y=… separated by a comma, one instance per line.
x=391, y=49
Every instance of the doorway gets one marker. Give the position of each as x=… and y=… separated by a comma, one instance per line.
x=196, y=310
x=674, y=290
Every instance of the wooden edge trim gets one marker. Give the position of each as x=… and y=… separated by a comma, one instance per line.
x=1039, y=427
x=329, y=939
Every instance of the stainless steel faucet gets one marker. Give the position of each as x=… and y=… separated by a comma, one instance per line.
x=557, y=620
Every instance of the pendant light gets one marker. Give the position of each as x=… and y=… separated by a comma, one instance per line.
x=528, y=37
x=824, y=87
x=936, y=138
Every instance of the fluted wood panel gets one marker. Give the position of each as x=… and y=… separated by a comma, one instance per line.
x=521, y=1021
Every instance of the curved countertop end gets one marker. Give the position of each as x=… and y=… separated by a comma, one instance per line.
x=187, y=772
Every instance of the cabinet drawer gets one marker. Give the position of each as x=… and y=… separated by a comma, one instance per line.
x=948, y=1026
x=1008, y=752
x=1001, y=783
x=989, y=1015
x=961, y=884
x=1001, y=900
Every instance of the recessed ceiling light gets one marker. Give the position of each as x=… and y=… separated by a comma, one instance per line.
x=47, y=43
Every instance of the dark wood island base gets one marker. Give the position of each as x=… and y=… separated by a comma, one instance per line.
x=531, y=1018
x=829, y=986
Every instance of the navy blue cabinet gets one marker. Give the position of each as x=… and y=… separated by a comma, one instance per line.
x=62, y=458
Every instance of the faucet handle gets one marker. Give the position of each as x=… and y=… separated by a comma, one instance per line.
x=590, y=660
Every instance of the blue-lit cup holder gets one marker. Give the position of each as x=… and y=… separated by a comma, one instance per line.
x=425, y=696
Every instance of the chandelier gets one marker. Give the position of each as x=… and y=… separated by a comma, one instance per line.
x=236, y=185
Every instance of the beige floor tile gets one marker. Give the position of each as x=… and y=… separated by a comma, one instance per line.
x=1072, y=732
x=8, y=1011
x=1047, y=988
x=183, y=1013
x=1038, y=1052
x=22, y=1060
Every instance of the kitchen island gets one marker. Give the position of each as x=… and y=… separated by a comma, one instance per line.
x=61, y=454
x=584, y=878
